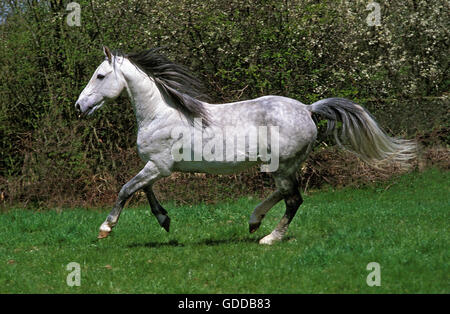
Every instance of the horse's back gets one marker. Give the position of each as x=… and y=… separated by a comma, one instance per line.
x=259, y=110
x=296, y=126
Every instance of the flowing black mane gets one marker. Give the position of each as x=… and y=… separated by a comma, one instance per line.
x=175, y=80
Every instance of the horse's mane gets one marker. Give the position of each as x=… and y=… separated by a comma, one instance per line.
x=175, y=80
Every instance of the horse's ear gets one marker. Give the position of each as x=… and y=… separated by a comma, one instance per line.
x=107, y=53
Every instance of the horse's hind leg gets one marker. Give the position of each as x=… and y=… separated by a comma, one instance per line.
x=288, y=187
x=262, y=209
x=157, y=210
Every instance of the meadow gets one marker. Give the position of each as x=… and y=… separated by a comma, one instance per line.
x=401, y=224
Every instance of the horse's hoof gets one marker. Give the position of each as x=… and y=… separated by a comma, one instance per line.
x=253, y=227
x=166, y=223
x=269, y=240
x=102, y=234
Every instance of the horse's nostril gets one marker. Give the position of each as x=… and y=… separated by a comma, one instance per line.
x=77, y=107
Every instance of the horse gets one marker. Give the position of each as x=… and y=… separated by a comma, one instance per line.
x=167, y=96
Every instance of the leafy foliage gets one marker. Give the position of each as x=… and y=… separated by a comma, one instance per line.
x=306, y=50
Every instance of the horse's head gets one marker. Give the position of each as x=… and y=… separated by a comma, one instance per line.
x=106, y=83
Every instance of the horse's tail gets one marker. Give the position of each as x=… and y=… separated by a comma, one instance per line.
x=361, y=133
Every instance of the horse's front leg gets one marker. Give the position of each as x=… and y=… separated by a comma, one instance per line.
x=145, y=177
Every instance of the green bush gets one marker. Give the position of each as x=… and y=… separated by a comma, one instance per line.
x=306, y=50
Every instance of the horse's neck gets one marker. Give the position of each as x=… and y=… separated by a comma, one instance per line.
x=145, y=96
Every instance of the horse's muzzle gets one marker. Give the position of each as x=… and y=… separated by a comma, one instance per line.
x=80, y=112
x=77, y=107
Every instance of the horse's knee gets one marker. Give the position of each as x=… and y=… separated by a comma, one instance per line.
x=124, y=194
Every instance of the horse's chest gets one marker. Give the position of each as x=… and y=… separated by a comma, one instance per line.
x=145, y=144
x=152, y=143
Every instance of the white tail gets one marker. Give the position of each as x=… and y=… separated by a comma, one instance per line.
x=361, y=133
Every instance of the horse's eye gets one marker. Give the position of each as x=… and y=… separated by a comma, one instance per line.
x=100, y=76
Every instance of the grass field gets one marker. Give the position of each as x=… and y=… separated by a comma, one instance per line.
x=401, y=224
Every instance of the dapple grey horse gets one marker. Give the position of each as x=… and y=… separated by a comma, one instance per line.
x=166, y=97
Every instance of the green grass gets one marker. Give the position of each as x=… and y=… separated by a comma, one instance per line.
x=401, y=224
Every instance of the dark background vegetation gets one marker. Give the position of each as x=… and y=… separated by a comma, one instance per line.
x=240, y=49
